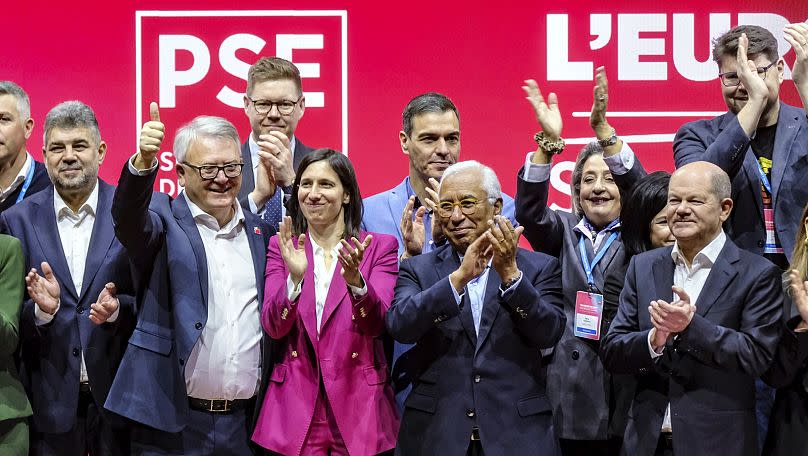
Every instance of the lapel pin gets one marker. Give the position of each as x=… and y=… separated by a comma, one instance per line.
x=256, y=230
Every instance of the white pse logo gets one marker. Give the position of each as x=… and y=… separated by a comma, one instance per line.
x=171, y=77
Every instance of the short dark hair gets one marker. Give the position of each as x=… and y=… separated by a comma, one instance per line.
x=761, y=41
x=347, y=176
x=273, y=69
x=428, y=102
x=648, y=196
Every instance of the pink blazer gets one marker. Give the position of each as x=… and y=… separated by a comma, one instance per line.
x=349, y=353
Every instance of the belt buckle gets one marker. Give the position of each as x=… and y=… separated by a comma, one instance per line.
x=224, y=408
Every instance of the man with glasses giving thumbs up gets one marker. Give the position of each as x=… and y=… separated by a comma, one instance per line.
x=197, y=357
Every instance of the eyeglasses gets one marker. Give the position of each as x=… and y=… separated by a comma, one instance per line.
x=467, y=206
x=731, y=78
x=208, y=172
x=285, y=107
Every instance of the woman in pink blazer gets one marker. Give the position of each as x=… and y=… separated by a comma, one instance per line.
x=326, y=296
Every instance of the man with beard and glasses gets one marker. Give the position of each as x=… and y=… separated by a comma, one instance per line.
x=79, y=310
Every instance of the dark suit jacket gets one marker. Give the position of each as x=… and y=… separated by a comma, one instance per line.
x=722, y=141
x=460, y=380
x=247, y=177
x=708, y=372
x=51, y=363
x=789, y=374
x=169, y=260
x=40, y=181
x=578, y=386
x=13, y=402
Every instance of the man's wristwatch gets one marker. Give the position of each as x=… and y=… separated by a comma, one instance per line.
x=547, y=145
x=610, y=141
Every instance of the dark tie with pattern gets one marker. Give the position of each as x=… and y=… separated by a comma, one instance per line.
x=272, y=210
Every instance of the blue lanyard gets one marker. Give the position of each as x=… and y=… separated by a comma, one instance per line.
x=588, y=267
x=28, y=178
x=763, y=178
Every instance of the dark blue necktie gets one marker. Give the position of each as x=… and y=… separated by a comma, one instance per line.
x=272, y=210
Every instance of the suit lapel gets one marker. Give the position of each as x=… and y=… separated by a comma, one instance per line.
x=663, y=276
x=491, y=306
x=307, y=303
x=753, y=176
x=721, y=274
x=258, y=251
x=101, y=239
x=186, y=221
x=787, y=128
x=397, y=202
x=47, y=234
x=448, y=262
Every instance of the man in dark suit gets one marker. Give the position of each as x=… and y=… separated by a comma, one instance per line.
x=20, y=174
x=695, y=357
x=478, y=310
x=274, y=103
x=197, y=359
x=80, y=312
x=760, y=142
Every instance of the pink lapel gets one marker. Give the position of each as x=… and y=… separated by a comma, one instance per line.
x=307, y=302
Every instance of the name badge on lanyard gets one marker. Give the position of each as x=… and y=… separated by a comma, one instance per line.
x=588, y=304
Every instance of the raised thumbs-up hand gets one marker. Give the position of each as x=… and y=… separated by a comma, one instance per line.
x=151, y=137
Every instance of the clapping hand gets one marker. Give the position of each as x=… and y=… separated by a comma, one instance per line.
x=106, y=305
x=44, y=291
x=350, y=257
x=294, y=254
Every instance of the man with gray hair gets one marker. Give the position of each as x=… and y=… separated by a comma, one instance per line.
x=430, y=138
x=198, y=358
x=80, y=310
x=698, y=322
x=20, y=174
x=478, y=380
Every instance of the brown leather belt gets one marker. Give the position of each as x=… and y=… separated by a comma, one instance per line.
x=217, y=405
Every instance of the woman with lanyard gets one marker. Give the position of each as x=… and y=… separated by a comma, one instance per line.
x=586, y=242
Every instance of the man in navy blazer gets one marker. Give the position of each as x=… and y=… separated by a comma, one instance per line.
x=79, y=314
x=430, y=138
x=760, y=142
x=197, y=359
x=478, y=309
x=274, y=103
x=696, y=356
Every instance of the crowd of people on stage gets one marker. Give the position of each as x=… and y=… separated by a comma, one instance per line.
x=269, y=308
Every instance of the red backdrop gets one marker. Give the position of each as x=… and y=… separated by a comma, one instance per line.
x=367, y=59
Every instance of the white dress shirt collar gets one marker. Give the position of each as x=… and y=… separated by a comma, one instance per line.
x=63, y=210
x=706, y=256
x=19, y=179
x=209, y=221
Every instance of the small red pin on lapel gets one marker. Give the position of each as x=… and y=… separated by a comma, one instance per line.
x=256, y=230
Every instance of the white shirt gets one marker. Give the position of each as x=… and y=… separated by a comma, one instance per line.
x=322, y=280
x=19, y=179
x=476, y=288
x=256, y=160
x=75, y=231
x=691, y=279
x=225, y=362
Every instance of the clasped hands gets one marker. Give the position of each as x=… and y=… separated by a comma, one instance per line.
x=499, y=244
x=46, y=291
x=669, y=319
